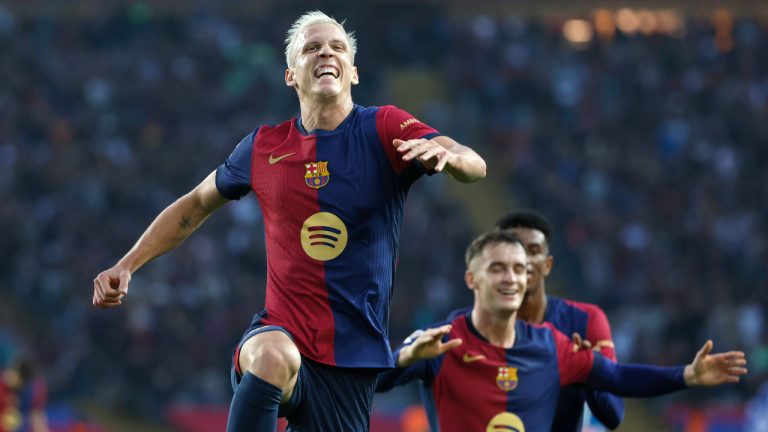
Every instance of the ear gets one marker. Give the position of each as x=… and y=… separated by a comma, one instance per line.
x=549, y=264
x=355, y=76
x=469, y=279
x=290, y=78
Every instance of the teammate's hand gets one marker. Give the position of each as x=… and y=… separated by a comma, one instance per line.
x=431, y=154
x=110, y=286
x=426, y=344
x=579, y=343
x=715, y=369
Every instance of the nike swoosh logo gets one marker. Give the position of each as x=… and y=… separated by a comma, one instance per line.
x=273, y=160
x=470, y=358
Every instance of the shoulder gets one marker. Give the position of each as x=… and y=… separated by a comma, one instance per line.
x=545, y=331
x=394, y=114
x=278, y=131
x=588, y=308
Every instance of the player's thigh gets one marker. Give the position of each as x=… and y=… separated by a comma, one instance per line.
x=273, y=357
x=333, y=399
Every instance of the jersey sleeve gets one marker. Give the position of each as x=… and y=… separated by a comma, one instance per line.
x=398, y=376
x=606, y=407
x=233, y=177
x=393, y=123
x=599, y=332
x=424, y=370
x=635, y=380
x=573, y=364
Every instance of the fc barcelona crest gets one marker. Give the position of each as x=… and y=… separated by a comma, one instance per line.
x=507, y=378
x=317, y=174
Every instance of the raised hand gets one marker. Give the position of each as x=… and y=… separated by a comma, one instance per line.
x=715, y=369
x=426, y=344
x=110, y=286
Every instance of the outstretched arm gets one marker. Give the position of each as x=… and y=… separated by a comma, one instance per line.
x=443, y=153
x=171, y=227
x=411, y=357
x=646, y=381
x=426, y=344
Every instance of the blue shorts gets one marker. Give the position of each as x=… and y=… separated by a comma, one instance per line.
x=326, y=398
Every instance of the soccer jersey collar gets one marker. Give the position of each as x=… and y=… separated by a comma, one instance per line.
x=323, y=132
x=472, y=329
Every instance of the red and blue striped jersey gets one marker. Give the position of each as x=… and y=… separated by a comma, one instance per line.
x=333, y=204
x=590, y=322
x=478, y=386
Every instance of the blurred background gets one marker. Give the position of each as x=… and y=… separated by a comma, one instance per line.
x=639, y=128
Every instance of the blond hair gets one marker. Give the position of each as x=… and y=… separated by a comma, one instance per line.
x=306, y=20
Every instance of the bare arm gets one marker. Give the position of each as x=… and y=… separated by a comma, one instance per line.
x=443, y=153
x=171, y=227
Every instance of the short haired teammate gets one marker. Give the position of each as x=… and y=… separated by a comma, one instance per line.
x=489, y=371
x=586, y=320
x=332, y=186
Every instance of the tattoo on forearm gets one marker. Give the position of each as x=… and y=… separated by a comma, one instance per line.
x=186, y=222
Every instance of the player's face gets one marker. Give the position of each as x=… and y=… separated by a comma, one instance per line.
x=498, y=277
x=539, y=259
x=323, y=63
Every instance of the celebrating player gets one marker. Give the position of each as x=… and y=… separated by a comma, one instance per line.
x=586, y=320
x=332, y=185
x=489, y=371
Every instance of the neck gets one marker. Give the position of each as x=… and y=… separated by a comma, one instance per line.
x=499, y=330
x=534, y=306
x=325, y=115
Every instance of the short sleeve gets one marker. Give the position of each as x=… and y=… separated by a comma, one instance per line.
x=599, y=332
x=233, y=177
x=393, y=123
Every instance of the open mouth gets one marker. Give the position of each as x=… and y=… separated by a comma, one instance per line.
x=509, y=292
x=331, y=71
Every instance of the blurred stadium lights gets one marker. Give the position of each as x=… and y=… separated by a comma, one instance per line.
x=604, y=22
x=627, y=21
x=527, y=8
x=605, y=25
x=578, y=32
x=722, y=21
x=648, y=22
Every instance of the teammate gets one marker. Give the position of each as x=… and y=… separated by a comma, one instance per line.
x=489, y=371
x=584, y=320
x=23, y=398
x=332, y=185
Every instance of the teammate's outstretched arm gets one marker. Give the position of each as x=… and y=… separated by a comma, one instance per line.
x=412, y=357
x=169, y=229
x=426, y=344
x=634, y=380
x=443, y=153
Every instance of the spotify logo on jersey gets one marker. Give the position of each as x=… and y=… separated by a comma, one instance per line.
x=506, y=422
x=323, y=236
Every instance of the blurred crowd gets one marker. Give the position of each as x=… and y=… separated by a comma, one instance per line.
x=648, y=153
